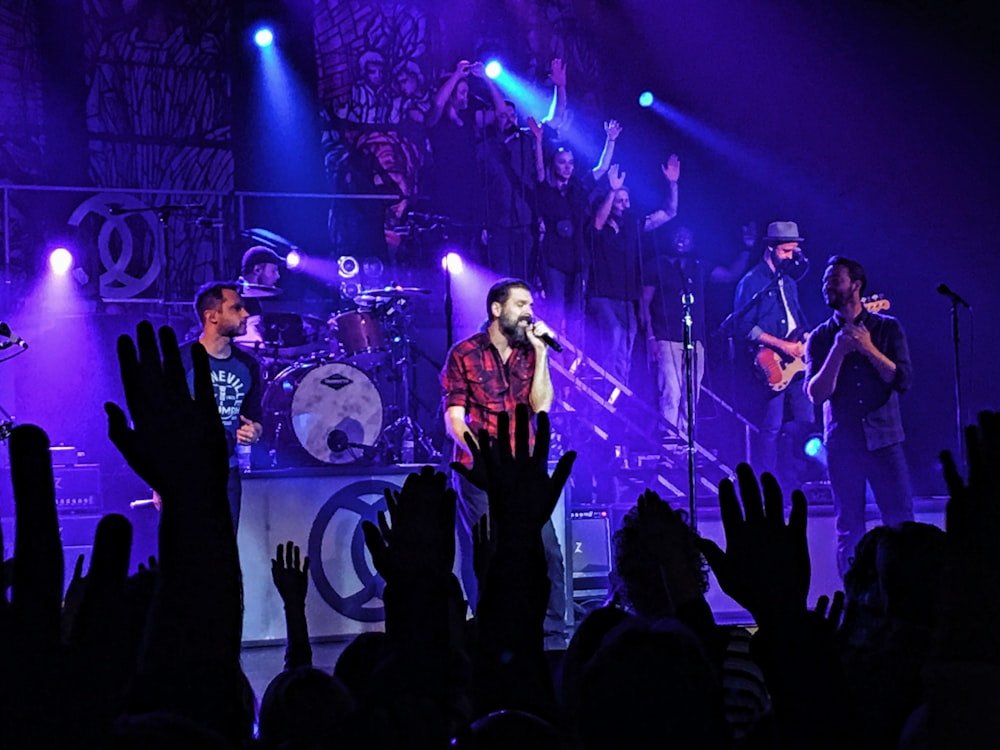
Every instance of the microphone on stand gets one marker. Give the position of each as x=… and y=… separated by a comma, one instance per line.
x=12, y=340
x=955, y=297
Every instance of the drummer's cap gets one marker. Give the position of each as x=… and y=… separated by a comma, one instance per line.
x=260, y=254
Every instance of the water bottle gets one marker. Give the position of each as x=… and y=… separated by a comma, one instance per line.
x=406, y=448
x=243, y=452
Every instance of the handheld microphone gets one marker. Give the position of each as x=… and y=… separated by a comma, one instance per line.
x=943, y=289
x=11, y=338
x=551, y=342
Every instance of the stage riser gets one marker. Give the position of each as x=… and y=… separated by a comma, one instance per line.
x=342, y=578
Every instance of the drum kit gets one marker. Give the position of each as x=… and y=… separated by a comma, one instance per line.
x=337, y=391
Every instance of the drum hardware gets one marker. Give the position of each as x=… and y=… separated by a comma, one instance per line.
x=257, y=291
x=406, y=439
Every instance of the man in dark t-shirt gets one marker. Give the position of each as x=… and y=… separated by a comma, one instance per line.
x=615, y=285
x=235, y=375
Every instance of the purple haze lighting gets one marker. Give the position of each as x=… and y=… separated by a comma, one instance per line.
x=293, y=260
x=452, y=262
x=60, y=261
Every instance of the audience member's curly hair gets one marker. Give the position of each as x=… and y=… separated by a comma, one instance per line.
x=637, y=576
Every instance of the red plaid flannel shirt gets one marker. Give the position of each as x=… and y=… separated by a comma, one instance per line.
x=475, y=378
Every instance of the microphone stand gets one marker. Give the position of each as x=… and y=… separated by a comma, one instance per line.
x=448, y=305
x=959, y=428
x=687, y=302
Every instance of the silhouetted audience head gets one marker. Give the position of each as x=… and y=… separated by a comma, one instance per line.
x=501, y=730
x=651, y=685
x=303, y=707
x=358, y=661
x=637, y=576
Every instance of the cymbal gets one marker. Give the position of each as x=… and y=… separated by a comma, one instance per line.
x=389, y=292
x=258, y=290
x=371, y=297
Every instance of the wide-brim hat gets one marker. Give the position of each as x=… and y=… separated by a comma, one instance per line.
x=779, y=232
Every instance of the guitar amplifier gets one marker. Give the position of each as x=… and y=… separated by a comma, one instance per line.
x=591, y=539
x=78, y=488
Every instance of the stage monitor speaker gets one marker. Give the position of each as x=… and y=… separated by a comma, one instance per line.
x=591, y=539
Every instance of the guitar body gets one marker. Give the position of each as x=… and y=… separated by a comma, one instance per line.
x=777, y=369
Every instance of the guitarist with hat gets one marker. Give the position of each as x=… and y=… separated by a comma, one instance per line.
x=772, y=320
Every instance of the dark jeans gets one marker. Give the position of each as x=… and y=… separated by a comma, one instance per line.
x=563, y=308
x=472, y=505
x=614, y=324
x=851, y=465
x=765, y=448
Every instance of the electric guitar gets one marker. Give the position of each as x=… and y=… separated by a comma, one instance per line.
x=777, y=369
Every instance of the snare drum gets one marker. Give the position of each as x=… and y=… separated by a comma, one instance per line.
x=360, y=337
x=321, y=408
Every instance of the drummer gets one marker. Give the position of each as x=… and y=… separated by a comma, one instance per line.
x=260, y=269
x=258, y=273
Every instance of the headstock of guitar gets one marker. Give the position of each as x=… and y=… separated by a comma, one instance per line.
x=875, y=303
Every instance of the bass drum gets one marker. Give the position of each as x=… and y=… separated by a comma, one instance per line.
x=326, y=410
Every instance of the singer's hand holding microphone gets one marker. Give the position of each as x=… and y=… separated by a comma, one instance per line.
x=539, y=330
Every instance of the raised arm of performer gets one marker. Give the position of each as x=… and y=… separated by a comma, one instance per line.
x=536, y=131
x=612, y=129
x=672, y=171
x=616, y=183
x=557, y=109
x=443, y=94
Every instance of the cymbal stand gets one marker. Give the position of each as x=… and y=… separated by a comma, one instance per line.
x=6, y=424
x=406, y=426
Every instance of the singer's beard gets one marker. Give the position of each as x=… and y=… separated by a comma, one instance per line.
x=511, y=327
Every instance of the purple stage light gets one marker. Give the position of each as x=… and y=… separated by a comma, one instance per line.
x=60, y=261
x=452, y=262
x=293, y=260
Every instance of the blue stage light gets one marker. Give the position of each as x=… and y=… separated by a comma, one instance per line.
x=493, y=69
x=263, y=37
x=813, y=446
x=646, y=99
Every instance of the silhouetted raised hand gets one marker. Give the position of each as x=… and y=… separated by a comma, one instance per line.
x=766, y=563
x=484, y=546
x=418, y=536
x=832, y=611
x=510, y=666
x=521, y=492
x=170, y=429
x=189, y=662
x=29, y=651
x=961, y=678
x=290, y=573
x=413, y=549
